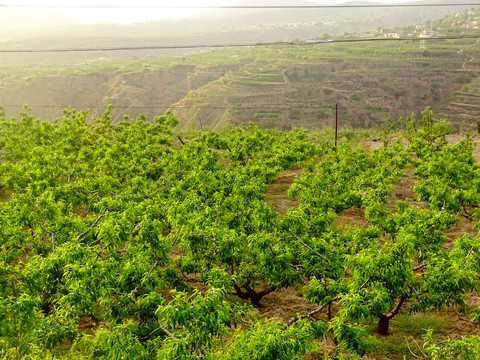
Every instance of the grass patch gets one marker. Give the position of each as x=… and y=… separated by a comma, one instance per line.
x=416, y=325
x=406, y=335
x=5, y=195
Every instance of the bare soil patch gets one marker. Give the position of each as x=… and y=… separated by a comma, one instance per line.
x=5, y=195
x=284, y=304
x=276, y=194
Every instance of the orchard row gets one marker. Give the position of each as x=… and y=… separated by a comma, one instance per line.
x=120, y=223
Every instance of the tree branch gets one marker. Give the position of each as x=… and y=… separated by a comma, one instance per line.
x=156, y=191
x=396, y=309
x=92, y=192
x=251, y=294
x=251, y=323
x=308, y=247
x=71, y=173
x=367, y=281
x=123, y=249
x=52, y=235
x=297, y=267
x=421, y=266
x=84, y=234
x=408, y=345
x=100, y=252
x=271, y=249
x=317, y=310
x=153, y=267
x=311, y=313
x=169, y=334
x=466, y=214
x=162, y=329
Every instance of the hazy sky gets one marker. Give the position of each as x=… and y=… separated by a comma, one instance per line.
x=130, y=14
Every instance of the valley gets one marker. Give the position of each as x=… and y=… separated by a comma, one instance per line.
x=275, y=86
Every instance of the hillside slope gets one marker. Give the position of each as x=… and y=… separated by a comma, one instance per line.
x=274, y=86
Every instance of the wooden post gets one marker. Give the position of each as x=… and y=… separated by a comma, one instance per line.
x=336, y=123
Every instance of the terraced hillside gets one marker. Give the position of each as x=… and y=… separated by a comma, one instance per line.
x=147, y=89
x=274, y=86
x=301, y=85
x=465, y=102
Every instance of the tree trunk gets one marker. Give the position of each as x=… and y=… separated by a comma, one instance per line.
x=384, y=319
x=251, y=294
x=382, y=326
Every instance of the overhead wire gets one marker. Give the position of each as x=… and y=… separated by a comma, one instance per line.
x=206, y=7
x=325, y=108
x=242, y=45
x=199, y=46
x=262, y=106
x=134, y=48
x=233, y=108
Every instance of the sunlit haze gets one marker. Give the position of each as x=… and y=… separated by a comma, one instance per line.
x=128, y=11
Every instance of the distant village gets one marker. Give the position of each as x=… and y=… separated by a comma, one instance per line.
x=457, y=23
x=450, y=25
x=425, y=34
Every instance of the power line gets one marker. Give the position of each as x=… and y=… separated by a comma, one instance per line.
x=245, y=45
x=327, y=108
x=470, y=36
x=198, y=7
x=262, y=106
x=224, y=107
x=150, y=47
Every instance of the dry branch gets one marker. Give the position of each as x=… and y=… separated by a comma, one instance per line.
x=311, y=313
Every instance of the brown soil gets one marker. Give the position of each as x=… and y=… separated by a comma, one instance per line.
x=276, y=194
x=284, y=304
x=351, y=217
x=82, y=211
x=88, y=322
x=5, y=195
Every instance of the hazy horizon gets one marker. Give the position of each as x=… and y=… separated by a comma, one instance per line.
x=127, y=11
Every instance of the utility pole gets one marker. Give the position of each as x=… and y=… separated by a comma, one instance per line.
x=336, y=123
